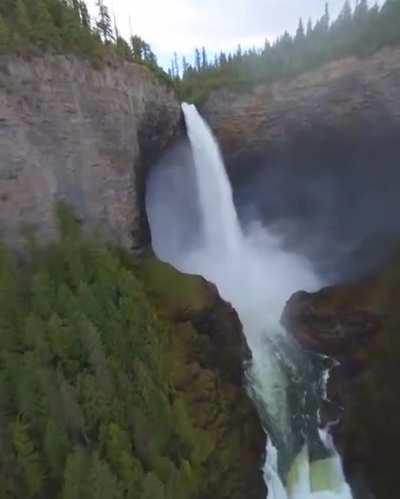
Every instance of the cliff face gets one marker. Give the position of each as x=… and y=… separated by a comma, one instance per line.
x=74, y=133
x=316, y=158
x=207, y=350
x=343, y=100
x=358, y=325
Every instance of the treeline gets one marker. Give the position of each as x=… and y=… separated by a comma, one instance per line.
x=359, y=31
x=87, y=409
x=66, y=26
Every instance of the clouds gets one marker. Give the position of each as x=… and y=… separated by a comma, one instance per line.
x=182, y=25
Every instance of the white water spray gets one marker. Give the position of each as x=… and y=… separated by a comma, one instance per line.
x=256, y=275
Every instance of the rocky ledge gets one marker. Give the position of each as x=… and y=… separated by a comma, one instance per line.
x=341, y=102
x=71, y=132
x=358, y=325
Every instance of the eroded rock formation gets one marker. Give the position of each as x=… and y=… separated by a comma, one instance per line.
x=358, y=325
x=71, y=132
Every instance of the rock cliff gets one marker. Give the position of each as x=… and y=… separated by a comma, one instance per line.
x=207, y=350
x=358, y=325
x=71, y=132
x=316, y=158
x=343, y=100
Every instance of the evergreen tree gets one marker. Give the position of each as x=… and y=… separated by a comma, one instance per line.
x=300, y=34
x=84, y=14
x=104, y=23
x=197, y=60
x=309, y=28
x=28, y=458
x=123, y=48
x=204, y=61
x=345, y=16
x=137, y=48
x=325, y=20
x=176, y=66
x=185, y=66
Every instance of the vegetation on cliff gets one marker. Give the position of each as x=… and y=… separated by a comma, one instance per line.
x=66, y=26
x=93, y=372
x=360, y=32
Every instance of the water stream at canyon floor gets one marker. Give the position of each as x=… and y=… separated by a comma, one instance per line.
x=256, y=275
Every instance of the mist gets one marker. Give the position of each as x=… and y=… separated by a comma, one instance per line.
x=332, y=201
x=195, y=226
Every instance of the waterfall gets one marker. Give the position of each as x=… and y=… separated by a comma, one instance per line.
x=216, y=198
x=254, y=273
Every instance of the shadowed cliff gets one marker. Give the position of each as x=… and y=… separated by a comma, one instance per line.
x=316, y=159
x=358, y=325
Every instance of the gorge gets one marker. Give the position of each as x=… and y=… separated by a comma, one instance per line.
x=255, y=274
x=313, y=163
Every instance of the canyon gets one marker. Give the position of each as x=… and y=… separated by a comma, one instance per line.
x=89, y=136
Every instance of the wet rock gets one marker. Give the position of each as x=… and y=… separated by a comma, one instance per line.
x=358, y=325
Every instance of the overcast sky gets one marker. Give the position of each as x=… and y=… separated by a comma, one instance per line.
x=182, y=25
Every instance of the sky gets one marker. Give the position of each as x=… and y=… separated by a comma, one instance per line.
x=183, y=25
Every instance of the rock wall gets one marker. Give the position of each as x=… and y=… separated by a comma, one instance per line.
x=316, y=158
x=343, y=100
x=358, y=325
x=71, y=132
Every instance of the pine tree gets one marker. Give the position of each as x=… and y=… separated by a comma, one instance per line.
x=361, y=11
x=300, y=34
x=103, y=483
x=137, y=47
x=104, y=23
x=326, y=19
x=76, y=476
x=309, y=31
x=204, y=61
x=197, y=60
x=28, y=458
x=345, y=16
x=84, y=14
x=185, y=66
x=123, y=49
x=176, y=66
x=222, y=59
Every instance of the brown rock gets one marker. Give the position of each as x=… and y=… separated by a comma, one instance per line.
x=359, y=326
x=343, y=100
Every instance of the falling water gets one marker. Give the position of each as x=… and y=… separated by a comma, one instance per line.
x=216, y=200
x=253, y=272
